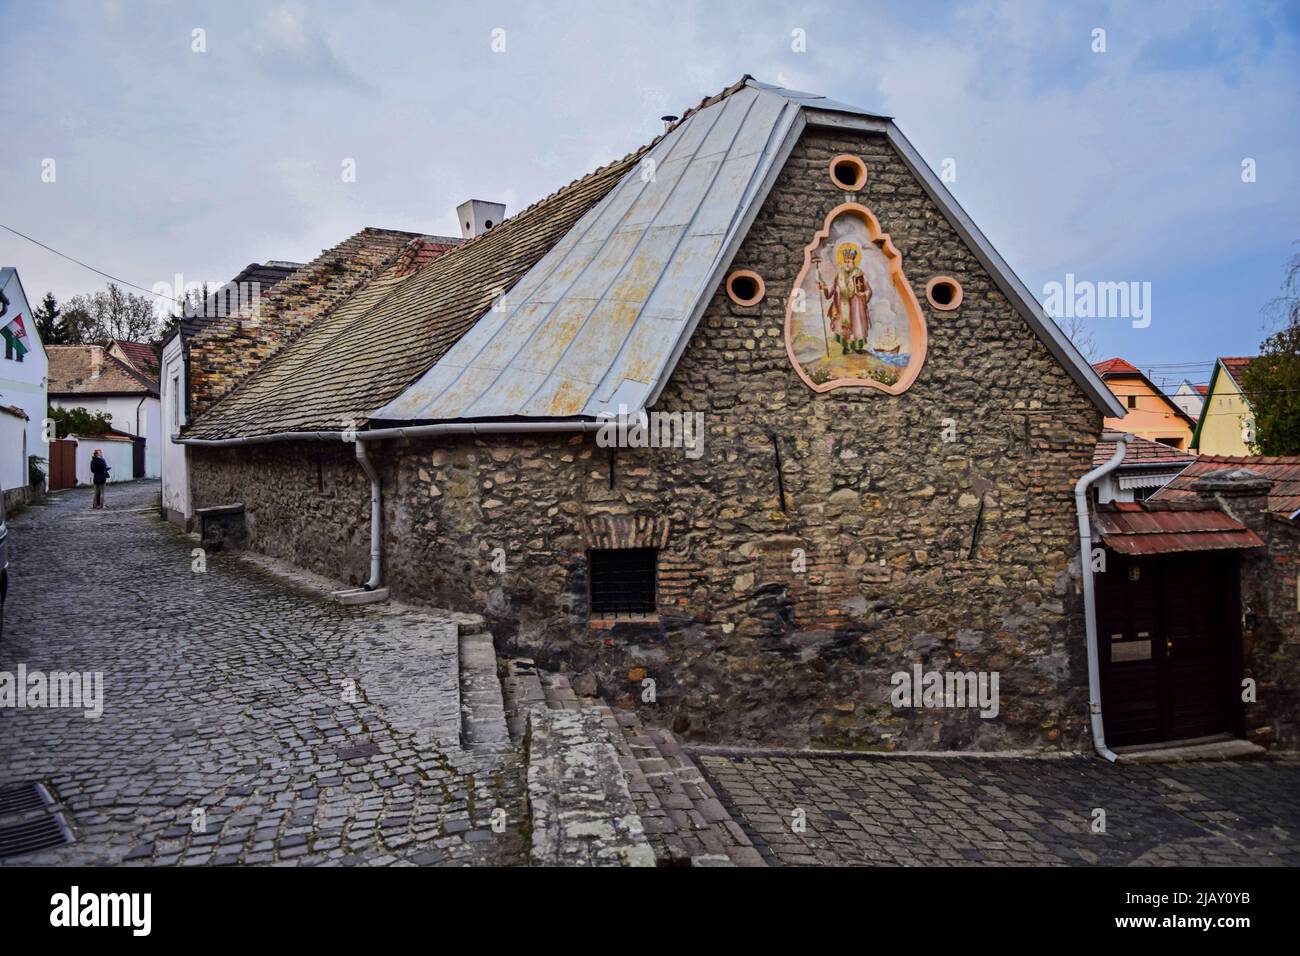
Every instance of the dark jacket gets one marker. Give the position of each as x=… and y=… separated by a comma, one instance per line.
x=99, y=469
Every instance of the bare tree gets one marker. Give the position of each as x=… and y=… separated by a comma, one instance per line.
x=112, y=313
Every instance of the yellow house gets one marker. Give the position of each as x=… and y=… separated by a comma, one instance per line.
x=1227, y=422
x=1151, y=413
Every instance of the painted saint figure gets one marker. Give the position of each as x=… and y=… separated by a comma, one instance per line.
x=849, y=294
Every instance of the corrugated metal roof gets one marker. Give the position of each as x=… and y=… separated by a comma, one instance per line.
x=1130, y=528
x=593, y=325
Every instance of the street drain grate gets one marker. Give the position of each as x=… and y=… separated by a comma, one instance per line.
x=22, y=797
x=30, y=820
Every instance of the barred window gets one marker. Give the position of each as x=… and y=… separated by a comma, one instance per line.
x=623, y=581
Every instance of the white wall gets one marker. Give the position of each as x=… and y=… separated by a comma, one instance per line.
x=122, y=410
x=118, y=453
x=175, y=458
x=23, y=383
x=13, y=445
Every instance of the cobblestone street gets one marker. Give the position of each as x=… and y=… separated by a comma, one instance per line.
x=954, y=811
x=248, y=719
x=228, y=692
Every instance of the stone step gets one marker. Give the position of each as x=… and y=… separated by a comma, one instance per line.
x=684, y=821
x=581, y=811
x=482, y=709
x=522, y=690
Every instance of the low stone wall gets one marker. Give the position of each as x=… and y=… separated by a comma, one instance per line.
x=16, y=498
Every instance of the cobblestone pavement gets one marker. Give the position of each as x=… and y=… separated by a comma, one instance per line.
x=225, y=692
x=954, y=811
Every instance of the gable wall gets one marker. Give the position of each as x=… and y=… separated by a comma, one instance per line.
x=747, y=649
x=1154, y=418
x=1226, y=419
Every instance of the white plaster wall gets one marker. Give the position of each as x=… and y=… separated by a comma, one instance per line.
x=13, y=460
x=24, y=383
x=118, y=454
x=175, y=458
x=123, y=413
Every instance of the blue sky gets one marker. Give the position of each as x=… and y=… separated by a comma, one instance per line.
x=1115, y=166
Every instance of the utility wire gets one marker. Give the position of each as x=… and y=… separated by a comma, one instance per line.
x=87, y=266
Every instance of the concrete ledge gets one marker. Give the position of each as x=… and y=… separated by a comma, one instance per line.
x=360, y=596
x=1217, y=749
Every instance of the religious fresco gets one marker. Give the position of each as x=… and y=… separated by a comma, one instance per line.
x=852, y=318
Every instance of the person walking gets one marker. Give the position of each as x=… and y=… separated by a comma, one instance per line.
x=99, y=472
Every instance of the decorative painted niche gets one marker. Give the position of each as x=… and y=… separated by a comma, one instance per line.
x=852, y=319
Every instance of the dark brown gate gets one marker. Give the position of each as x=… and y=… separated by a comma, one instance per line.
x=63, y=464
x=137, y=458
x=1169, y=646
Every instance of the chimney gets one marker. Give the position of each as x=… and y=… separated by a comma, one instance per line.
x=669, y=121
x=96, y=361
x=477, y=216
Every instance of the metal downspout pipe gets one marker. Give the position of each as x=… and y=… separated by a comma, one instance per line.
x=376, y=518
x=1090, y=594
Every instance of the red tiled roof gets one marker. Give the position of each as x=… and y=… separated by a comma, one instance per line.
x=1141, y=451
x=140, y=356
x=72, y=372
x=1115, y=366
x=1237, y=366
x=1203, y=389
x=1283, y=498
x=1130, y=528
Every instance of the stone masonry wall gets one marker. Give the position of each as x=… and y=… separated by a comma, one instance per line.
x=951, y=555
x=1271, y=632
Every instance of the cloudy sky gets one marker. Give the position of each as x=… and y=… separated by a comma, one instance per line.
x=1122, y=165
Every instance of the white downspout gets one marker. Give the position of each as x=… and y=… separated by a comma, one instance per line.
x=376, y=518
x=1090, y=594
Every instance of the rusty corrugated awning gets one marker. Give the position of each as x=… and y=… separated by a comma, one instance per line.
x=1129, y=528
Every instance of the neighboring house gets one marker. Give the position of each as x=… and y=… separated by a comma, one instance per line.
x=883, y=483
x=91, y=377
x=1227, y=422
x=23, y=381
x=255, y=280
x=1151, y=414
x=141, y=356
x=1190, y=398
x=1148, y=466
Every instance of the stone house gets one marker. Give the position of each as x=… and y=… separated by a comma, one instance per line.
x=881, y=483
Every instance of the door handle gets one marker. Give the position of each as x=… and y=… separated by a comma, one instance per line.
x=1169, y=648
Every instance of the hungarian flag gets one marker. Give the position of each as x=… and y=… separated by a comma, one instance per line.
x=15, y=335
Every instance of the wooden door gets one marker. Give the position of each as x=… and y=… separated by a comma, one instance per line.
x=1165, y=632
x=63, y=464
x=1128, y=638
